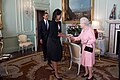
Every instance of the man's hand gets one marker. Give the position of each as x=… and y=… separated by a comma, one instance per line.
x=41, y=41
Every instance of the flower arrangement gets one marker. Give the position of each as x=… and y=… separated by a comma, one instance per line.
x=74, y=29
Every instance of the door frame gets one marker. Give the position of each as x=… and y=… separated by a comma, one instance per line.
x=35, y=25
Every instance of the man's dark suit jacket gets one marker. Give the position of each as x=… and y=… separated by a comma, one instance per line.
x=43, y=32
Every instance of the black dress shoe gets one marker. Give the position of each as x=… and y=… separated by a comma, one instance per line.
x=83, y=76
x=90, y=78
x=57, y=77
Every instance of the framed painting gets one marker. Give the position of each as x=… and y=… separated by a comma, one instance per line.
x=73, y=10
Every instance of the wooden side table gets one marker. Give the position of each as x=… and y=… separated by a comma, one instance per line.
x=5, y=59
x=102, y=46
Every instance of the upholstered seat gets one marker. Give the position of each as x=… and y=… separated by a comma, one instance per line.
x=25, y=44
x=24, y=41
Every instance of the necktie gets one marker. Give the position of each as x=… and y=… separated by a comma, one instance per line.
x=46, y=24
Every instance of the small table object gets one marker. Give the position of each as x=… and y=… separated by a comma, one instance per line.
x=4, y=58
x=101, y=46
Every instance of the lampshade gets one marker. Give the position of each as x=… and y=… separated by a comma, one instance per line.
x=95, y=25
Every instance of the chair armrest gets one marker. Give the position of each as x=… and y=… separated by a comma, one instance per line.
x=18, y=40
x=28, y=39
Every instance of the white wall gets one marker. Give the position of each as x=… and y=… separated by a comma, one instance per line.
x=16, y=21
x=54, y=4
x=9, y=26
x=102, y=11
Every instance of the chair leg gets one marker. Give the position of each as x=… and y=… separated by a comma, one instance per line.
x=6, y=68
x=70, y=64
x=26, y=48
x=32, y=48
x=78, y=69
x=1, y=50
x=99, y=56
x=22, y=49
x=19, y=49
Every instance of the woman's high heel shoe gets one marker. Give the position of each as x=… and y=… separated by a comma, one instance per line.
x=90, y=78
x=83, y=76
x=57, y=77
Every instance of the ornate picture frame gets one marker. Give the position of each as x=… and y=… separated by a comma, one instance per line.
x=1, y=24
x=73, y=10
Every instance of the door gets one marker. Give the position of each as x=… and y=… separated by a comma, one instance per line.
x=39, y=17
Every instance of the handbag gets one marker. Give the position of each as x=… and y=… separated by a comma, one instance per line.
x=89, y=49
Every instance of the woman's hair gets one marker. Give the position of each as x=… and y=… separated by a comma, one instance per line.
x=85, y=21
x=55, y=13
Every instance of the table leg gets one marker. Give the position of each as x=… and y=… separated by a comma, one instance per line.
x=6, y=68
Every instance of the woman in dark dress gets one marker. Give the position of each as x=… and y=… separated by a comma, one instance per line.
x=54, y=47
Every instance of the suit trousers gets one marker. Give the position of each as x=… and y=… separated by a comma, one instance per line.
x=45, y=54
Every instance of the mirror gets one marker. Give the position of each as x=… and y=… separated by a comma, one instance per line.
x=1, y=26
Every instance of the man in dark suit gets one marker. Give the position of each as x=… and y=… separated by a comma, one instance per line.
x=43, y=32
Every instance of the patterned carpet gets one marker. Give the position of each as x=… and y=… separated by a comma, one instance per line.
x=34, y=68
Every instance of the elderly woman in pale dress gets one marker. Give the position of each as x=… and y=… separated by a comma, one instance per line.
x=87, y=38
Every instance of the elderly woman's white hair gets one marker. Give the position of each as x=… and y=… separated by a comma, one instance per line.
x=85, y=21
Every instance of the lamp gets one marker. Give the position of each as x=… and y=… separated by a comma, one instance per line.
x=95, y=26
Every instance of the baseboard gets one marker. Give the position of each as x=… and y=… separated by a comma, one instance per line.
x=10, y=50
x=13, y=49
